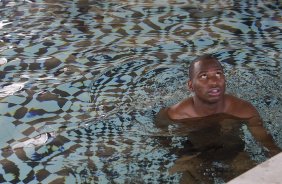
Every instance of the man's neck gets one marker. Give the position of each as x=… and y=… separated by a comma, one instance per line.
x=205, y=109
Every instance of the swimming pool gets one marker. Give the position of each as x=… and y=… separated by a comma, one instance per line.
x=93, y=73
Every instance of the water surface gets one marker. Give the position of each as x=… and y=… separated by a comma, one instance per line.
x=94, y=73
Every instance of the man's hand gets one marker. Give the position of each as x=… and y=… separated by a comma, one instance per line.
x=257, y=129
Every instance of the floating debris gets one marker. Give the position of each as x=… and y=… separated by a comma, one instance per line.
x=36, y=141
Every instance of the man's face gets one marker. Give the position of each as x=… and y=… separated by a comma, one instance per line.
x=208, y=81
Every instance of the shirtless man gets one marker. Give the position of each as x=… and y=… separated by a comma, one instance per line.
x=210, y=116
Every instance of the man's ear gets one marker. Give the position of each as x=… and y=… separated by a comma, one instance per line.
x=190, y=86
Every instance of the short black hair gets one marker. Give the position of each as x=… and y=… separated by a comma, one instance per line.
x=201, y=58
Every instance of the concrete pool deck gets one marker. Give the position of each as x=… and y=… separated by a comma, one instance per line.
x=268, y=172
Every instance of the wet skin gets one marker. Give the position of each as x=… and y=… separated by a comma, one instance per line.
x=207, y=83
x=213, y=121
x=208, y=86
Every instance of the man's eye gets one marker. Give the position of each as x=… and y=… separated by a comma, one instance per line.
x=218, y=74
x=203, y=76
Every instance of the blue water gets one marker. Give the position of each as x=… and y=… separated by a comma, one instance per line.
x=93, y=74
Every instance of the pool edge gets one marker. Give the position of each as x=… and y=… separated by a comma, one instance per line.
x=268, y=172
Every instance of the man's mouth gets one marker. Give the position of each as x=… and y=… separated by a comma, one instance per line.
x=214, y=92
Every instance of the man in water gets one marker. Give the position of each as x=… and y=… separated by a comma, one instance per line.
x=213, y=120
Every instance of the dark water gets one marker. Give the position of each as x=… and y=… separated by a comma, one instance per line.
x=93, y=73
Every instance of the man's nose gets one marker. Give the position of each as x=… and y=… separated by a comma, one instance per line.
x=213, y=80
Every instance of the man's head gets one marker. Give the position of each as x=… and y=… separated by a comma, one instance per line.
x=206, y=78
x=201, y=58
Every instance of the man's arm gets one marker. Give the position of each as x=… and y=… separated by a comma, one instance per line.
x=246, y=110
x=162, y=119
x=256, y=128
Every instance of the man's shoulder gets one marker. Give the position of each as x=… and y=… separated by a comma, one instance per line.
x=239, y=107
x=238, y=101
x=180, y=110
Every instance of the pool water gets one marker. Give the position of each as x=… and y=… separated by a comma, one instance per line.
x=82, y=80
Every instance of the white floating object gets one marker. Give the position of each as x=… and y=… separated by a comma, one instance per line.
x=3, y=23
x=11, y=89
x=33, y=142
x=3, y=61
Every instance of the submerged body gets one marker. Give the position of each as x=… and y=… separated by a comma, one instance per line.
x=214, y=131
x=215, y=149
